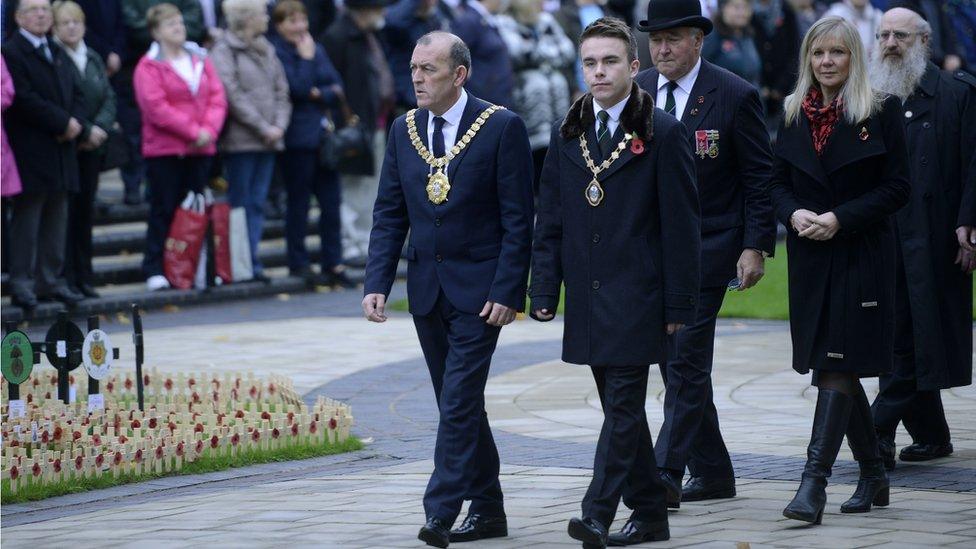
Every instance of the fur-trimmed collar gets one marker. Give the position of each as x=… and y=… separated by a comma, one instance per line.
x=637, y=117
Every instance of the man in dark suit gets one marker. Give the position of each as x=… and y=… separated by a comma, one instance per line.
x=467, y=202
x=618, y=226
x=42, y=123
x=724, y=116
x=491, y=66
x=934, y=291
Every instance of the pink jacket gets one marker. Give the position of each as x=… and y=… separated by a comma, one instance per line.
x=172, y=115
x=9, y=178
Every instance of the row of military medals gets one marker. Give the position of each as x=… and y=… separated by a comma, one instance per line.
x=438, y=185
x=594, y=191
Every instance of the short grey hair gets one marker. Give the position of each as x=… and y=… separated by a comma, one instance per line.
x=238, y=12
x=460, y=55
x=922, y=26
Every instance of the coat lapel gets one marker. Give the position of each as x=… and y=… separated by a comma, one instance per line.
x=848, y=144
x=701, y=99
x=920, y=102
x=622, y=160
x=796, y=146
x=472, y=109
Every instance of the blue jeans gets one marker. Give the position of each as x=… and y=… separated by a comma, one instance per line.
x=303, y=178
x=249, y=176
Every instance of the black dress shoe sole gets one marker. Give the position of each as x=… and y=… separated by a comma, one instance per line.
x=656, y=535
x=725, y=493
x=912, y=457
x=485, y=533
x=578, y=531
x=432, y=538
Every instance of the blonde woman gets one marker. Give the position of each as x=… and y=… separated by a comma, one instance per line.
x=257, y=94
x=840, y=172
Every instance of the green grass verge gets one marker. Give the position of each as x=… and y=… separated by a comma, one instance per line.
x=766, y=300
x=206, y=464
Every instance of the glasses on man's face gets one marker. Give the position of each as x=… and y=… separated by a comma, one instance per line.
x=900, y=36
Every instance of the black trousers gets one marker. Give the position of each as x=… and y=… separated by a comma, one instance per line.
x=170, y=178
x=304, y=178
x=899, y=399
x=38, y=227
x=624, y=464
x=690, y=434
x=81, y=212
x=458, y=347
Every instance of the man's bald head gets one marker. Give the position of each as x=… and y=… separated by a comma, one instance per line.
x=454, y=48
x=899, y=62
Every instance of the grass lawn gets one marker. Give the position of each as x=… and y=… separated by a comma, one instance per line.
x=767, y=300
x=205, y=464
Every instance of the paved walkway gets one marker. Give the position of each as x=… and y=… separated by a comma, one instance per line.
x=546, y=419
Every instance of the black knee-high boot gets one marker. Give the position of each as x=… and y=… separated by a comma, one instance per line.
x=872, y=487
x=829, y=424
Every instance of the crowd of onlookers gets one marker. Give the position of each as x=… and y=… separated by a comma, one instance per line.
x=242, y=94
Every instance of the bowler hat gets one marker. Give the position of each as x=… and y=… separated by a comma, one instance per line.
x=669, y=14
x=365, y=4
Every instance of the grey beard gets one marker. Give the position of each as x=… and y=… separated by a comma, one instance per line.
x=898, y=77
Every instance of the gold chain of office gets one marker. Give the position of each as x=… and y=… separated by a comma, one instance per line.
x=594, y=191
x=438, y=185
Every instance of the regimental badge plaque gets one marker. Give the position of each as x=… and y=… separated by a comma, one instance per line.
x=96, y=354
x=17, y=357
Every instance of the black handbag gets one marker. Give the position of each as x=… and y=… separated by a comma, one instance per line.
x=349, y=149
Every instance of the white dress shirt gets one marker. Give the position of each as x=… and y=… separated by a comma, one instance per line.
x=452, y=119
x=614, y=120
x=681, y=93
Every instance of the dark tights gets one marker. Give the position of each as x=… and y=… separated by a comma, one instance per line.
x=849, y=384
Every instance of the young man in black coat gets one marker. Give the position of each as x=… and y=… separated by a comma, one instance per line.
x=43, y=124
x=618, y=226
x=934, y=291
x=733, y=159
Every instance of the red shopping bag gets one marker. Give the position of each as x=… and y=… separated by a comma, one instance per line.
x=220, y=217
x=186, y=235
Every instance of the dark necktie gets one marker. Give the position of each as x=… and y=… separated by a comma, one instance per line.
x=438, y=137
x=603, y=136
x=670, y=104
x=45, y=51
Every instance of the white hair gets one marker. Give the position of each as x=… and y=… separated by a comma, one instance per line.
x=859, y=100
x=899, y=76
x=238, y=12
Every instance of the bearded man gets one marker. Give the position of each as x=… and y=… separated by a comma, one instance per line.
x=933, y=323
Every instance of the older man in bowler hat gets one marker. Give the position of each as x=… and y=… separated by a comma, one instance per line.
x=724, y=118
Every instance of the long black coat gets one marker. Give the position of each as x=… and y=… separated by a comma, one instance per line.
x=940, y=120
x=48, y=95
x=842, y=289
x=735, y=209
x=631, y=264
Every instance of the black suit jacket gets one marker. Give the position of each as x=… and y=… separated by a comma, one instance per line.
x=47, y=96
x=735, y=207
x=631, y=264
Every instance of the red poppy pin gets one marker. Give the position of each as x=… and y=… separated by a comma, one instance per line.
x=864, y=134
x=637, y=145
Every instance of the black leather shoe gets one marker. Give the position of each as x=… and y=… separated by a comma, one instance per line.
x=26, y=301
x=672, y=485
x=475, y=527
x=638, y=531
x=886, y=447
x=87, y=290
x=64, y=295
x=924, y=452
x=435, y=533
x=262, y=278
x=589, y=531
x=336, y=280
x=701, y=488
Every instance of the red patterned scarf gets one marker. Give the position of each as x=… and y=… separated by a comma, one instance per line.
x=822, y=118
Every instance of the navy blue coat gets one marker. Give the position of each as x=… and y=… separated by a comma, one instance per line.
x=105, y=26
x=631, y=264
x=492, y=77
x=475, y=246
x=305, y=129
x=736, y=212
x=403, y=29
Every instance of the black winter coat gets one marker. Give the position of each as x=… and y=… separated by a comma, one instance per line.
x=841, y=291
x=631, y=264
x=940, y=119
x=48, y=95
